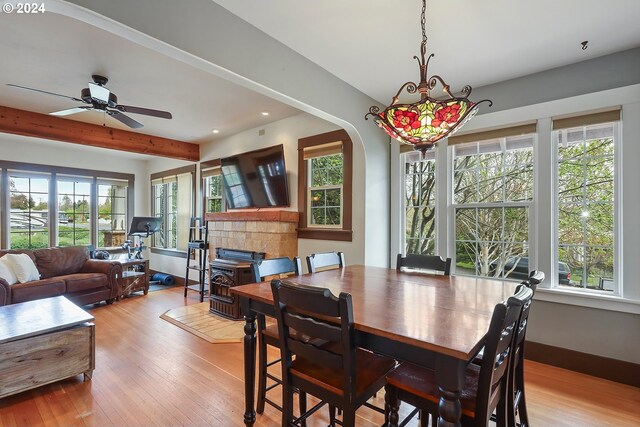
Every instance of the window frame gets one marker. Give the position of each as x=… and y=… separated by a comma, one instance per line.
x=305, y=230
x=7, y=167
x=584, y=122
x=404, y=153
x=208, y=169
x=168, y=174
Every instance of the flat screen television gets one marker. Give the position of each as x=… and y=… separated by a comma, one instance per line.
x=257, y=179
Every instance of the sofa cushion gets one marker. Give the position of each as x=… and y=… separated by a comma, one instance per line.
x=21, y=292
x=53, y=262
x=6, y=271
x=23, y=267
x=84, y=281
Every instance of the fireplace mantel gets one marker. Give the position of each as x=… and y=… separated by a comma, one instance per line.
x=237, y=216
x=271, y=231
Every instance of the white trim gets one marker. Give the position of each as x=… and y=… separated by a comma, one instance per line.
x=583, y=298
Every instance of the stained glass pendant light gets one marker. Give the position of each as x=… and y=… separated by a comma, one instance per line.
x=428, y=120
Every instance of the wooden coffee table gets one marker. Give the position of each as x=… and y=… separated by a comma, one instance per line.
x=44, y=341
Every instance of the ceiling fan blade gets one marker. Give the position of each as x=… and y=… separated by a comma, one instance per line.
x=44, y=91
x=124, y=119
x=70, y=111
x=145, y=111
x=99, y=93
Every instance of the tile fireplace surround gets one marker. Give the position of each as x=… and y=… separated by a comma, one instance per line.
x=272, y=232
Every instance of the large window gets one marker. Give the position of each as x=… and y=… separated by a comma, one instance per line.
x=420, y=203
x=74, y=212
x=172, y=193
x=585, y=211
x=60, y=206
x=112, y=213
x=492, y=192
x=29, y=204
x=325, y=186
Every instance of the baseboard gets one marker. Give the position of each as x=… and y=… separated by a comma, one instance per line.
x=602, y=367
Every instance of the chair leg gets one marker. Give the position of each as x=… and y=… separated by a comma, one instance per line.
x=349, y=417
x=391, y=406
x=262, y=366
x=332, y=416
x=522, y=404
x=287, y=405
x=302, y=402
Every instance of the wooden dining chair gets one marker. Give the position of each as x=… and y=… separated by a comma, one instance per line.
x=485, y=388
x=516, y=403
x=325, y=261
x=268, y=335
x=328, y=366
x=424, y=262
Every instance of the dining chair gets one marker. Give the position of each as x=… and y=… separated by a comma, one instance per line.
x=516, y=402
x=485, y=386
x=424, y=262
x=329, y=366
x=325, y=261
x=268, y=335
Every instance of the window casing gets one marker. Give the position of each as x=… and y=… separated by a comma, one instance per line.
x=112, y=212
x=586, y=210
x=325, y=183
x=419, y=213
x=173, y=201
x=492, y=194
x=48, y=206
x=213, y=193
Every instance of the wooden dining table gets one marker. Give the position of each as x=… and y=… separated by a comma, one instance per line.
x=438, y=322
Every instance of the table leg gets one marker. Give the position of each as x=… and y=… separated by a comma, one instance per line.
x=450, y=374
x=249, y=367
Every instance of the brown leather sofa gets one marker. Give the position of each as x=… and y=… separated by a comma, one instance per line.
x=65, y=271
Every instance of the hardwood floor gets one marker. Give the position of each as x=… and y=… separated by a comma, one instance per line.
x=151, y=373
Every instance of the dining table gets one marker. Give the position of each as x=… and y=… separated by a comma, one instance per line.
x=434, y=321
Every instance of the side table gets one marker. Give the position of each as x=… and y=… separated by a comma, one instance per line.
x=135, y=277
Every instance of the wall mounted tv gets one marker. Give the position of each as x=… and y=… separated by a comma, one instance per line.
x=257, y=179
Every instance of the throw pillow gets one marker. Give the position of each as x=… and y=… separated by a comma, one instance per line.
x=6, y=271
x=23, y=267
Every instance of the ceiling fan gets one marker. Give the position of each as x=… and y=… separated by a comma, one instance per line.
x=99, y=98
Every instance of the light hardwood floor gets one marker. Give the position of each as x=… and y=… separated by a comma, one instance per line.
x=151, y=373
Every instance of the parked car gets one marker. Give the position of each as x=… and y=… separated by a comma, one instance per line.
x=521, y=270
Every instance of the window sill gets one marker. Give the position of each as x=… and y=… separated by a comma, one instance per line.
x=325, y=234
x=169, y=252
x=588, y=299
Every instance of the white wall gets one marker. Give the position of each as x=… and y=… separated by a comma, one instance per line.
x=287, y=132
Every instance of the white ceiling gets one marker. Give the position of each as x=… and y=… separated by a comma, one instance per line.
x=59, y=54
x=370, y=44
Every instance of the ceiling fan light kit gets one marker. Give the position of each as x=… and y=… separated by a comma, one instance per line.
x=426, y=121
x=102, y=99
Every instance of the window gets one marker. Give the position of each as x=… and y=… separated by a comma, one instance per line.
x=60, y=206
x=29, y=215
x=213, y=191
x=172, y=193
x=74, y=212
x=419, y=203
x=325, y=186
x=112, y=213
x=586, y=205
x=492, y=193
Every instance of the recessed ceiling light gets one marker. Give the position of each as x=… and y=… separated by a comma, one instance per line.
x=215, y=131
x=265, y=113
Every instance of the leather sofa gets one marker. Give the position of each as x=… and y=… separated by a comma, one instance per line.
x=67, y=271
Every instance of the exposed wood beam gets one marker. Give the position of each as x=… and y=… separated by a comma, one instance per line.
x=27, y=123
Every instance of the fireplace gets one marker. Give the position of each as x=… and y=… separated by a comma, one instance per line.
x=231, y=267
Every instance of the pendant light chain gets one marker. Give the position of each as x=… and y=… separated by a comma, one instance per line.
x=423, y=21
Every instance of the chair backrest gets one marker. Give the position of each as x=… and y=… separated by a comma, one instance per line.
x=275, y=266
x=324, y=320
x=424, y=262
x=494, y=373
x=323, y=260
x=535, y=278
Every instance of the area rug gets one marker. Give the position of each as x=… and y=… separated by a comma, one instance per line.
x=197, y=320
